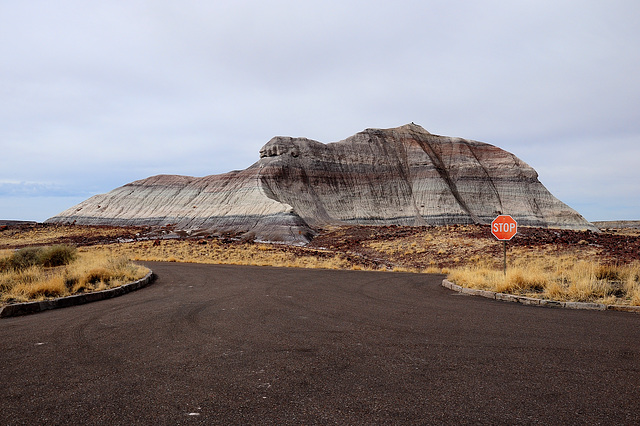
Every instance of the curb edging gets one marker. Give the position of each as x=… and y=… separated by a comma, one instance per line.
x=27, y=308
x=538, y=302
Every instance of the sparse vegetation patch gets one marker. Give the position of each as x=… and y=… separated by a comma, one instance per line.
x=48, y=257
x=37, y=273
x=564, y=278
x=548, y=263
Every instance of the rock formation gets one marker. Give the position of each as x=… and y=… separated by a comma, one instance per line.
x=404, y=176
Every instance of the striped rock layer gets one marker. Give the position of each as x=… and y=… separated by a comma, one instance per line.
x=403, y=176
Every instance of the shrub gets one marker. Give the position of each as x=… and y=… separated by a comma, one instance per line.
x=58, y=255
x=27, y=257
x=97, y=275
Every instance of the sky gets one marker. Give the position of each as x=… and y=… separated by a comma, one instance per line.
x=97, y=94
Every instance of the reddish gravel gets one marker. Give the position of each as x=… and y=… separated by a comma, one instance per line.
x=353, y=242
x=611, y=246
x=614, y=247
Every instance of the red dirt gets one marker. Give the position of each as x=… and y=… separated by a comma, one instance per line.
x=352, y=242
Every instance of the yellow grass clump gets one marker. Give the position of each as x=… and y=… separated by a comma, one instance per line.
x=90, y=271
x=562, y=278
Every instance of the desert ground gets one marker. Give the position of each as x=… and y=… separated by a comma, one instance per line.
x=547, y=263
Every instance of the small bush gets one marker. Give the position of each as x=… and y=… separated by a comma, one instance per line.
x=58, y=255
x=39, y=256
x=25, y=258
x=97, y=275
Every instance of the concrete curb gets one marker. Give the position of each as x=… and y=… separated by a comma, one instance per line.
x=538, y=302
x=77, y=299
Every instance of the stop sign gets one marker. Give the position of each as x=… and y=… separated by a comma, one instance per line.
x=504, y=227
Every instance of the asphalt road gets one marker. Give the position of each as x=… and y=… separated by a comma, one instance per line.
x=249, y=345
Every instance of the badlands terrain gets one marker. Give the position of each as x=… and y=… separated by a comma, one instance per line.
x=541, y=262
x=399, y=199
x=399, y=176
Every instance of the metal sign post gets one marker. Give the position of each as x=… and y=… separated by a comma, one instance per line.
x=504, y=258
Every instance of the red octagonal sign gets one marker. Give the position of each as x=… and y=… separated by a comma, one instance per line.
x=504, y=227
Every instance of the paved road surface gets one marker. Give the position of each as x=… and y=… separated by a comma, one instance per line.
x=247, y=345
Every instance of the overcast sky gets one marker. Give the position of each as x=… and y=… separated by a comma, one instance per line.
x=96, y=94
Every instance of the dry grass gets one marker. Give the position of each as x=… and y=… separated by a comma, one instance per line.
x=565, y=277
x=90, y=271
x=215, y=252
x=438, y=240
x=552, y=271
x=432, y=250
x=560, y=270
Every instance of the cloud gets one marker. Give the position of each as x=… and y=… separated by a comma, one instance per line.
x=99, y=94
x=35, y=189
x=597, y=177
